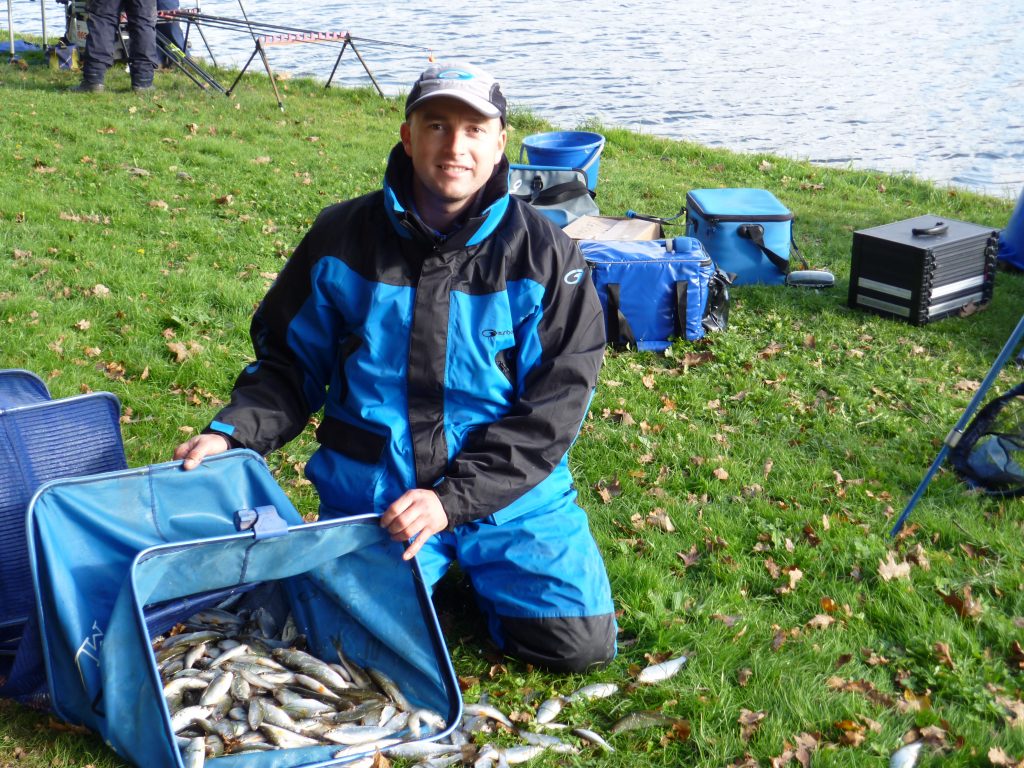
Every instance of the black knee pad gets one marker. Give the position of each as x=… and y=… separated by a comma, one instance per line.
x=565, y=644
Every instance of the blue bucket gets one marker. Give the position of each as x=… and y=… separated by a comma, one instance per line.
x=1011, y=239
x=566, y=149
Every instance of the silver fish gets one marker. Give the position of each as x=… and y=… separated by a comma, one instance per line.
x=195, y=753
x=906, y=756
x=488, y=711
x=373, y=746
x=285, y=738
x=593, y=738
x=593, y=691
x=218, y=690
x=357, y=734
x=656, y=673
x=310, y=665
x=516, y=755
x=546, y=740
x=549, y=709
x=193, y=654
x=231, y=653
x=642, y=719
x=185, y=717
x=389, y=687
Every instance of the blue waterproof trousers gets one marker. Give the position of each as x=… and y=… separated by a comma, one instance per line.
x=104, y=18
x=541, y=582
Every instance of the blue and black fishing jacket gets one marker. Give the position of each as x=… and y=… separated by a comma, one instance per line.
x=464, y=363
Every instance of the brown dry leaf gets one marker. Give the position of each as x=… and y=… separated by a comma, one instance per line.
x=20, y=254
x=690, y=558
x=40, y=167
x=843, y=660
x=773, y=568
x=729, y=621
x=1014, y=709
x=966, y=385
x=180, y=351
x=680, y=731
x=92, y=351
x=770, y=351
x=608, y=490
x=691, y=359
x=794, y=574
x=83, y=325
x=379, y=761
x=913, y=702
x=647, y=381
x=821, y=621
x=917, y=556
x=192, y=128
x=828, y=605
x=667, y=404
x=720, y=473
x=966, y=605
x=743, y=676
x=778, y=639
x=851, y=733
x=224, y=199
x=261, y=160
x=136, y=171
x=889, y=569
x=749, y=723
x=100, y=291
x=161, y=204
x=1017, y=655
x=57, y=725
x=998, y=757
x=873, y=659
x=659, y=518
x=942, y=652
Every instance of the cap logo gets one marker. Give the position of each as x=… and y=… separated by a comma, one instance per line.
x=454, y=74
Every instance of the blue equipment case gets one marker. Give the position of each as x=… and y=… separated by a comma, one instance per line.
x=651, y=290
x=560, y=193
x=748, y=232
x=120, y=557
x=41, y=440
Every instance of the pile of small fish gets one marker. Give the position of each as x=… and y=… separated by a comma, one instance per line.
x=465, y=744
x=234, y=683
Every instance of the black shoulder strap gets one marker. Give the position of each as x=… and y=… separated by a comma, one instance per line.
x=755, y=234
x=680, y=287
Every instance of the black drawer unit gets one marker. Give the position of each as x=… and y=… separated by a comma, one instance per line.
x=922, y=269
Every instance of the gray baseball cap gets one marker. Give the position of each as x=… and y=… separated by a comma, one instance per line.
x=460, y=81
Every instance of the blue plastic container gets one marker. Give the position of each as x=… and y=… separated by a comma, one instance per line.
x=1011, y=239
x=566, y=149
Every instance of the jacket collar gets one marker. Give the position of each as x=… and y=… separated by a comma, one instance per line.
x=490, y=206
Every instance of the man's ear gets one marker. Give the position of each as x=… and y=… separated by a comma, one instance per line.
x=503, y=140
x=405, y=132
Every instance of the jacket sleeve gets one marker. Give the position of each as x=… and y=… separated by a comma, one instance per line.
x=293, y=336
x=503, y=460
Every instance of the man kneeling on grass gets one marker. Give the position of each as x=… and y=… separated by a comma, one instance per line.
x=453, y=338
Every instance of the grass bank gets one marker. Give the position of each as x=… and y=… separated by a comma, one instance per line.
x=741, y=488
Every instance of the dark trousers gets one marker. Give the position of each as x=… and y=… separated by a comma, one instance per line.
x=104, y=16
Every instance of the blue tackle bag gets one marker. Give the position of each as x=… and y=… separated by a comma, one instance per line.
x=120, y=559
x=748, y=232
x=654, y=290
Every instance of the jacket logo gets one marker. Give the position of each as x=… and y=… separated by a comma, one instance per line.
x=573, y=276
x=490, y=333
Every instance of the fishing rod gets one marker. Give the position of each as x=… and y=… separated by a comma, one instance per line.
x=285, y=35
x=229, y=23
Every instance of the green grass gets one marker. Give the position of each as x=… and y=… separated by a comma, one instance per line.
x=848, y=409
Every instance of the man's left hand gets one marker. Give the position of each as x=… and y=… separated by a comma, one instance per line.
x=416, y=514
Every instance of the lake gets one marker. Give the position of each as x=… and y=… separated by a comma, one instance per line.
x=929, y=87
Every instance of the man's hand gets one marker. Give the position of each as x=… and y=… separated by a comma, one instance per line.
x=417, y=513
x=197, y=448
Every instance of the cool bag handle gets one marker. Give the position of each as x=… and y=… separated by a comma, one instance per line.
x=755, y=234
x=681, y=291
x=619, y=330
x=939, y=228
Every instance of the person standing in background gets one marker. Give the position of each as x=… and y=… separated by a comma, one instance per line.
x=104, y=30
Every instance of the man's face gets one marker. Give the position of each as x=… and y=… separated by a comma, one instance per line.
x=453, y=148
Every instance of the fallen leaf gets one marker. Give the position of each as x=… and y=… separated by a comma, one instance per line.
x=821, y=621
x=889, y=569
x=180, y=351
x=998, y=757
x=773, y=568
x=743, y=676
x=163, y=206
x=966, y=605
x=770, y=351
x=261, y=160
x=720, y=473
x=942, y=652
x=749, y=723
x=729, y=621
x=224, y=199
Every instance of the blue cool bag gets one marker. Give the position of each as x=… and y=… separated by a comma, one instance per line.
x=654, y=290
x=560, y=194
x=747, y=232
x=121, y=557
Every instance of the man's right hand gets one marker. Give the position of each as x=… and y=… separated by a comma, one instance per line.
x=197, y=448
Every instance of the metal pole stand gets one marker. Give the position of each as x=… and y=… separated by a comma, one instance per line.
x=957, y=432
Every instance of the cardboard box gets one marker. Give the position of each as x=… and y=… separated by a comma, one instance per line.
x=612, y=228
